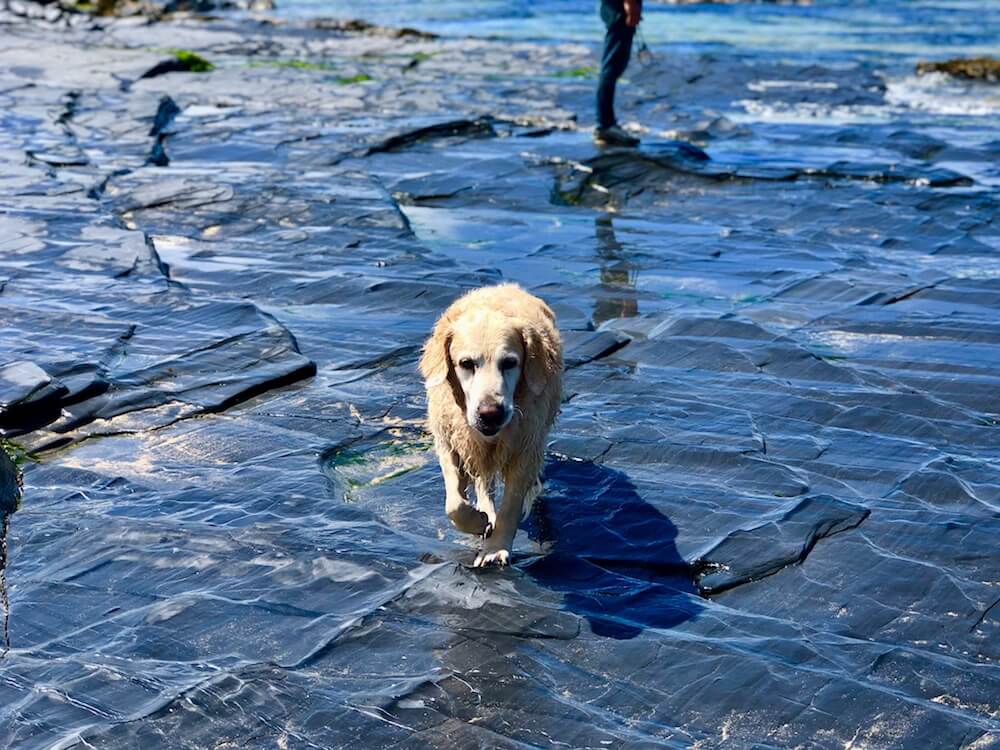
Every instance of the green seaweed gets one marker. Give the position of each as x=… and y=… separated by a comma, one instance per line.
x=194, y=62
x=293, y=63
x=373, y=464
x=586, y=71
x=19, y=457
x=16, y=453
x=310, y=65
x=349, y=457
x=359, y=78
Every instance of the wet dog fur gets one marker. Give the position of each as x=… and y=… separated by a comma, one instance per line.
x=492, y=368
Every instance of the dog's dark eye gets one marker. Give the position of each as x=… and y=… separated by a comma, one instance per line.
x=467, y=364
x=508, y=363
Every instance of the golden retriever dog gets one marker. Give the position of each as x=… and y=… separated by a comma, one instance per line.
x=492, y=368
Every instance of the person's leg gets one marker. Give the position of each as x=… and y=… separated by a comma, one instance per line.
x=617, y=51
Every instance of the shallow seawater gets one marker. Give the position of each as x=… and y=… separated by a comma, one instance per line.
x=969, y=26
x=772, y=496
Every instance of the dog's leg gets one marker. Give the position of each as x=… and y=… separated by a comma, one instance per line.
x=485, y=488
x=531, y=496
x=459, y=510
x=496, y=549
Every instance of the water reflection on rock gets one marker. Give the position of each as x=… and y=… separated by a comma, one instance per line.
x=618, y=276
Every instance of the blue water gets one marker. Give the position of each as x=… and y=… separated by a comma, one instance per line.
x=875, y=28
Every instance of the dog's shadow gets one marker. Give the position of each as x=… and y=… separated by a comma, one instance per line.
x=611, y=554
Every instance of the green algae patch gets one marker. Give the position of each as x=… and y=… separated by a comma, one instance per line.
x=367, y=465
x=12, y=459
x=293, y=64
x=16, y=453
x=349, y=80
x=192, y=61
x=587, y=71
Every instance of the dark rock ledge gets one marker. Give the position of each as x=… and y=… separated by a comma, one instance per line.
x=969, y=68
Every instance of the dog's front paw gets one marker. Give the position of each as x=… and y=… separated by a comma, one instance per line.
x=487, y=557
x=501, y=557
x=471, y=521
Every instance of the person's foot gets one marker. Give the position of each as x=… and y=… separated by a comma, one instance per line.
x=614, y=136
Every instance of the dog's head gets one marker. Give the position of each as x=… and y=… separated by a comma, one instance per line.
x=492, y=361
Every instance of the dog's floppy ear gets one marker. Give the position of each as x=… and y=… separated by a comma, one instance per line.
x=436, y=362
x=542, y=356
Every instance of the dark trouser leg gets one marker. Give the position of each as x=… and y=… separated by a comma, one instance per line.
x=617, y=50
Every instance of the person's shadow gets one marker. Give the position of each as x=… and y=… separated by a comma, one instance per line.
x=610, y=553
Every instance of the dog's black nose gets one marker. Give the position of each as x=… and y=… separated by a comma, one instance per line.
x=491, y=417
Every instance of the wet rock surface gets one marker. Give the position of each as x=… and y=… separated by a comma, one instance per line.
x=10, y=483
x=976, y=68
x=773, y=493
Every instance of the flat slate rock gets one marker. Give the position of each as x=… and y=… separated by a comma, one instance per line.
x=21, y=381
x=748, y=555
x=772, y=495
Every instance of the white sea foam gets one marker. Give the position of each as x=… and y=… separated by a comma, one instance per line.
x=808, y=112
x=940, y=94
x=766, y=85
